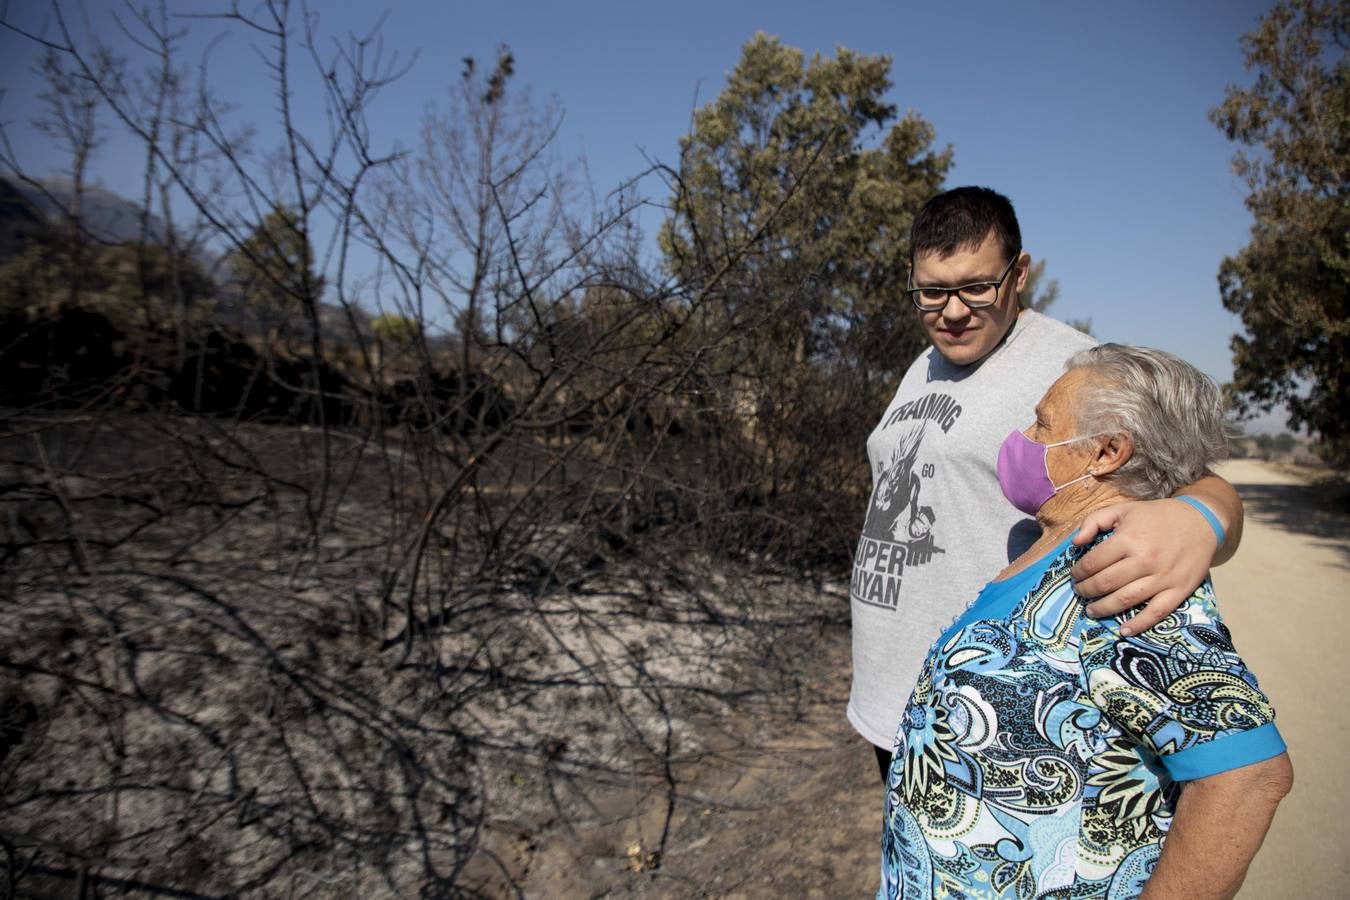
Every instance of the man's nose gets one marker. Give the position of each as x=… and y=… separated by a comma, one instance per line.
x=955, y=309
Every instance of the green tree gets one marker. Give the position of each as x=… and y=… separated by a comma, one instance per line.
x=796, y=190
x=132, y=283
x=789, y=228
x=394, y=329
x=143, y=282
x=38, y=277
x=1291, y=284
x=273, y=270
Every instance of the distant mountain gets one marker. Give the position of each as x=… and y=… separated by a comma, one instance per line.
x=107, y=216
x=29, y=207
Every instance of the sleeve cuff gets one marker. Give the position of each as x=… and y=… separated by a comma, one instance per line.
x=1222, y=754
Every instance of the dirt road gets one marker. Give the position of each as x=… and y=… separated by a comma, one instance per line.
x=1286, y=597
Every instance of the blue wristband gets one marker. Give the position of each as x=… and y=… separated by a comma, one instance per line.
x=1212, y=519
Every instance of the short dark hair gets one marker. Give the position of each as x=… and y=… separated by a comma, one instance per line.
x=960, y=219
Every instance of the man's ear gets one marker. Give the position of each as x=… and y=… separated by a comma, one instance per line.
x=1113, y=452
x=1023, y=268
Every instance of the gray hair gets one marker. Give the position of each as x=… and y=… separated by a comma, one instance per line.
x=1171, y=410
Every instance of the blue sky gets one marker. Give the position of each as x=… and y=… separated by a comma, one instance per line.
x=1091, y=116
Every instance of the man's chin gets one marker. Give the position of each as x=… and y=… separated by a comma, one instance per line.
x=960, y=353
x=968, y=346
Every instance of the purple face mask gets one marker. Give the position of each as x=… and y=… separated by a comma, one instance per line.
x=1024, y=475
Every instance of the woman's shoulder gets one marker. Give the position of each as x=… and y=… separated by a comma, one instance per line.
x=1051, y=614
x=1195, y=624
x=1056, y=565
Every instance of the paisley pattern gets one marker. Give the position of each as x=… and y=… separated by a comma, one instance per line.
x=1033, y=757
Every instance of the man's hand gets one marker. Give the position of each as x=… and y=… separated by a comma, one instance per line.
x=1159, y=555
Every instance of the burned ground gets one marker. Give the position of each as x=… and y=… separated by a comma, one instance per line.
x=208, y=692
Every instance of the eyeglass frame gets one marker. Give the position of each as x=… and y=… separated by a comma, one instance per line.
x=969, y=304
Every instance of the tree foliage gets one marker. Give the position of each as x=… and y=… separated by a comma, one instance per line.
x=273, y=269
x=394, y=329
x=801, y=182
x=789, y=224
x=1291, y=283
x=130, y=282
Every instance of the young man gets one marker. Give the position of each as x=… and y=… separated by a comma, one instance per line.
x=937, y=526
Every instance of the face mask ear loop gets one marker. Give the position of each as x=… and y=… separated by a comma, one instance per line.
x=1072, y=481
x=1091, y=472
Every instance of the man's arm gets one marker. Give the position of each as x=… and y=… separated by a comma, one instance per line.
x=1222, y=500
x=1219, y=825
x=1159, y=554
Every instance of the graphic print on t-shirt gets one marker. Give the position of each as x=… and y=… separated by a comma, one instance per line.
x=898, y=531
x=896, y=491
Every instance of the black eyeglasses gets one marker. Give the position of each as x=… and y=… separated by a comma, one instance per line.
x=975, y=296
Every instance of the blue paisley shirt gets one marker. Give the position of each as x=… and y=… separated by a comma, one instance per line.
x=1041, y=754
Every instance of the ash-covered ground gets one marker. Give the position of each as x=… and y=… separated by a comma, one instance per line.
x=218, y=679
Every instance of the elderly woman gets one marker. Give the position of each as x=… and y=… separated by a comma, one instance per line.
x=1045, y=754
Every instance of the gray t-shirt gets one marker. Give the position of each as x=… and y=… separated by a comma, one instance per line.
x=938, y=526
